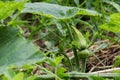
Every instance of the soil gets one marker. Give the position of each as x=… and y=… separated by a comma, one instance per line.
x=106, y=56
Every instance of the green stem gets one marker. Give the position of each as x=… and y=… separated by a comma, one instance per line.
x=52, y=74
x=79, y=76
x=76, y=59
x=69, y=31
x=83, y=68
x=74, y=50
x=69, y=61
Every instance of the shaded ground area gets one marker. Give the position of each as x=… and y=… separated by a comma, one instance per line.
x=106, y=58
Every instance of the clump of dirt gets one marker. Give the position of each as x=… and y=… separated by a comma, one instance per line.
x=106, y=58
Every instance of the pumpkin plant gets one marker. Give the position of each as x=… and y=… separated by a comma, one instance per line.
x=80, y=43
x=16, y=50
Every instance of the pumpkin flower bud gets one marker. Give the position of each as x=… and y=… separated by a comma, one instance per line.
x=79, y=40
x=84, y=54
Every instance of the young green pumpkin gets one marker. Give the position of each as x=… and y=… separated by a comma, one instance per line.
x=80, y=43
x=84, y=54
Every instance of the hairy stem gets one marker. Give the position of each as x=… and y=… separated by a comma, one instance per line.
x=74, y=49
x=83, y=65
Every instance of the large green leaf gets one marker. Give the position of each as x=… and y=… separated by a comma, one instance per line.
x=56, y=11
x=114, y=23
x=7, y=8
x=16, y=50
